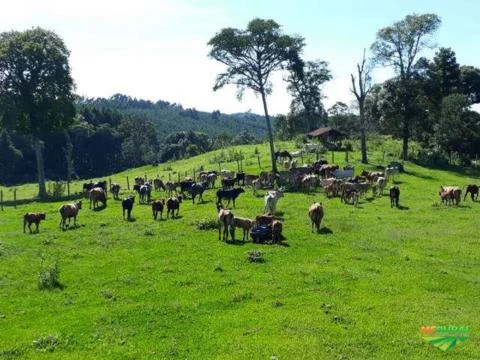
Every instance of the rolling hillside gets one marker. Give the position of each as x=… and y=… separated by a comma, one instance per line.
x=144, y=289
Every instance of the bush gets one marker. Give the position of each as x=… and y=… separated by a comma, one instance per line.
x=48, y=278
x=206, y=224
x=255, y=256
x=46, y=343
x=56, y=189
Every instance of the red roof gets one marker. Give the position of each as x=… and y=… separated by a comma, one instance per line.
x=326, y=131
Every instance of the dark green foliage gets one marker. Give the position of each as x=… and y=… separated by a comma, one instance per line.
x=9, y=156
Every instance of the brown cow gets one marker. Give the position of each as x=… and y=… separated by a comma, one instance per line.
x=157, y=207
x=243, y=223
x=225, y=221
x=174, y=204
x=473, y=190
x=30, y=218
x=115, y=190
x=315, y=212
x=69, y=211
x=97, y=194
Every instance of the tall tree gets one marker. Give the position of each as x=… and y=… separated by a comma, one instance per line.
x=251, y=55
x=361, y=91
x=398, y=45
x=36, y=88
x=10, y=155
x=305, y=87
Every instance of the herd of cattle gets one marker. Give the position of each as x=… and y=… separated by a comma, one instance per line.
x=335, y=182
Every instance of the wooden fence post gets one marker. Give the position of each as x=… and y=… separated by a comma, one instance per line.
x=194, y=175
x=1, y=199
x=333, y=157
x=178, y=176
x=259, y=166
x=68, y=188
x=128, y=184
x=15, y=198
x=169, y=176
x=146, y=178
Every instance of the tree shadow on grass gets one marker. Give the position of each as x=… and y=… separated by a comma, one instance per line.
x=414, y=173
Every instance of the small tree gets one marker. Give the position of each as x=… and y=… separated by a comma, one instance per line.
x=36, y=88
x=251, y=55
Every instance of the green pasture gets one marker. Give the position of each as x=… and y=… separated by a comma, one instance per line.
x=164, y=289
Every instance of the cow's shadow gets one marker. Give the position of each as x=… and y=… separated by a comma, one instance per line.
x=235, y=242
x=100, y=208
x=325, y=230
x=132, y=219
x=401, y=207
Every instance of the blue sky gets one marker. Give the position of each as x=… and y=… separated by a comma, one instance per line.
x=157, y=49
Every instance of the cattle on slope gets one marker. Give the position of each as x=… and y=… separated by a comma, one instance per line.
x=33, y=218
x=229, y=195
x=67, y=211
x=315, y=212
x=127, y=205
x=226, y=222
x=157, y=207
x=97, y=194
x=173, y=206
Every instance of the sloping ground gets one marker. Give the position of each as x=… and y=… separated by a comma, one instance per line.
x=360, y=289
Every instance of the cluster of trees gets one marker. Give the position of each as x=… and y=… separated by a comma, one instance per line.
x=426, y=100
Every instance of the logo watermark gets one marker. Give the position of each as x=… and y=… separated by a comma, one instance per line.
x=445, y=337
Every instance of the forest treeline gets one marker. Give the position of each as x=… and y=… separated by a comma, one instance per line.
x=110, y=135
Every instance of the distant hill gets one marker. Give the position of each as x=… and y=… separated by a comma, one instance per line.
x=169, y=118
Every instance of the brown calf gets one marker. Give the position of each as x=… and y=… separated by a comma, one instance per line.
x=30, y=218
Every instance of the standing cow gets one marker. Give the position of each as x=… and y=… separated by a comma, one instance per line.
x=97, y=194
x=67, y=211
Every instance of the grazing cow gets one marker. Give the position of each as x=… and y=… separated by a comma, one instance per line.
x=390, y=172
x=173, y=204
x=197, y=189
x=250, y=178
x=256, y=184
x=243, y=223
x=379, y=186
x=67, y=211
x=271, y=199
x=265, y=219
x=226, y=173
x=240, y=178
x=297, y=154
x=326, y=171
x=97, y=194
x=115, y=190
x=225, y=221
x=211, y=177
x=228, y=183
x=473, y=190
x=282, y=155
x=277, y=227
x=170, y=186
x=157, y=207
x=315, y=212
x=350, y=196
x=394, y=196
x=372, y=176
x=451, y=194
x=230, y=194
x=101, y=184
x=33, y=218
x=127, y=204
x=139, y=181
x=309, y=182
x=158, y=184
x=145, y=192
x=87, y=187
x=185, y=185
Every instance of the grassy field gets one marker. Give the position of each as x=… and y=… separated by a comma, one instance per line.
x=148, y=289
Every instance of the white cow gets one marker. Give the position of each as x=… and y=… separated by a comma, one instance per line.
x=271, y=199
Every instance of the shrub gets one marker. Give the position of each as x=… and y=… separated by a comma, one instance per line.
x=56, y=189
x=206, y=224
x=48, y=278
x=255, y=256
x=46, y=343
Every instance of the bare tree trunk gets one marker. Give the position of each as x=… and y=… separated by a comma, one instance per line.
x=38, y=146
x=363, y=136
x=68, y=155
x=270, y=134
